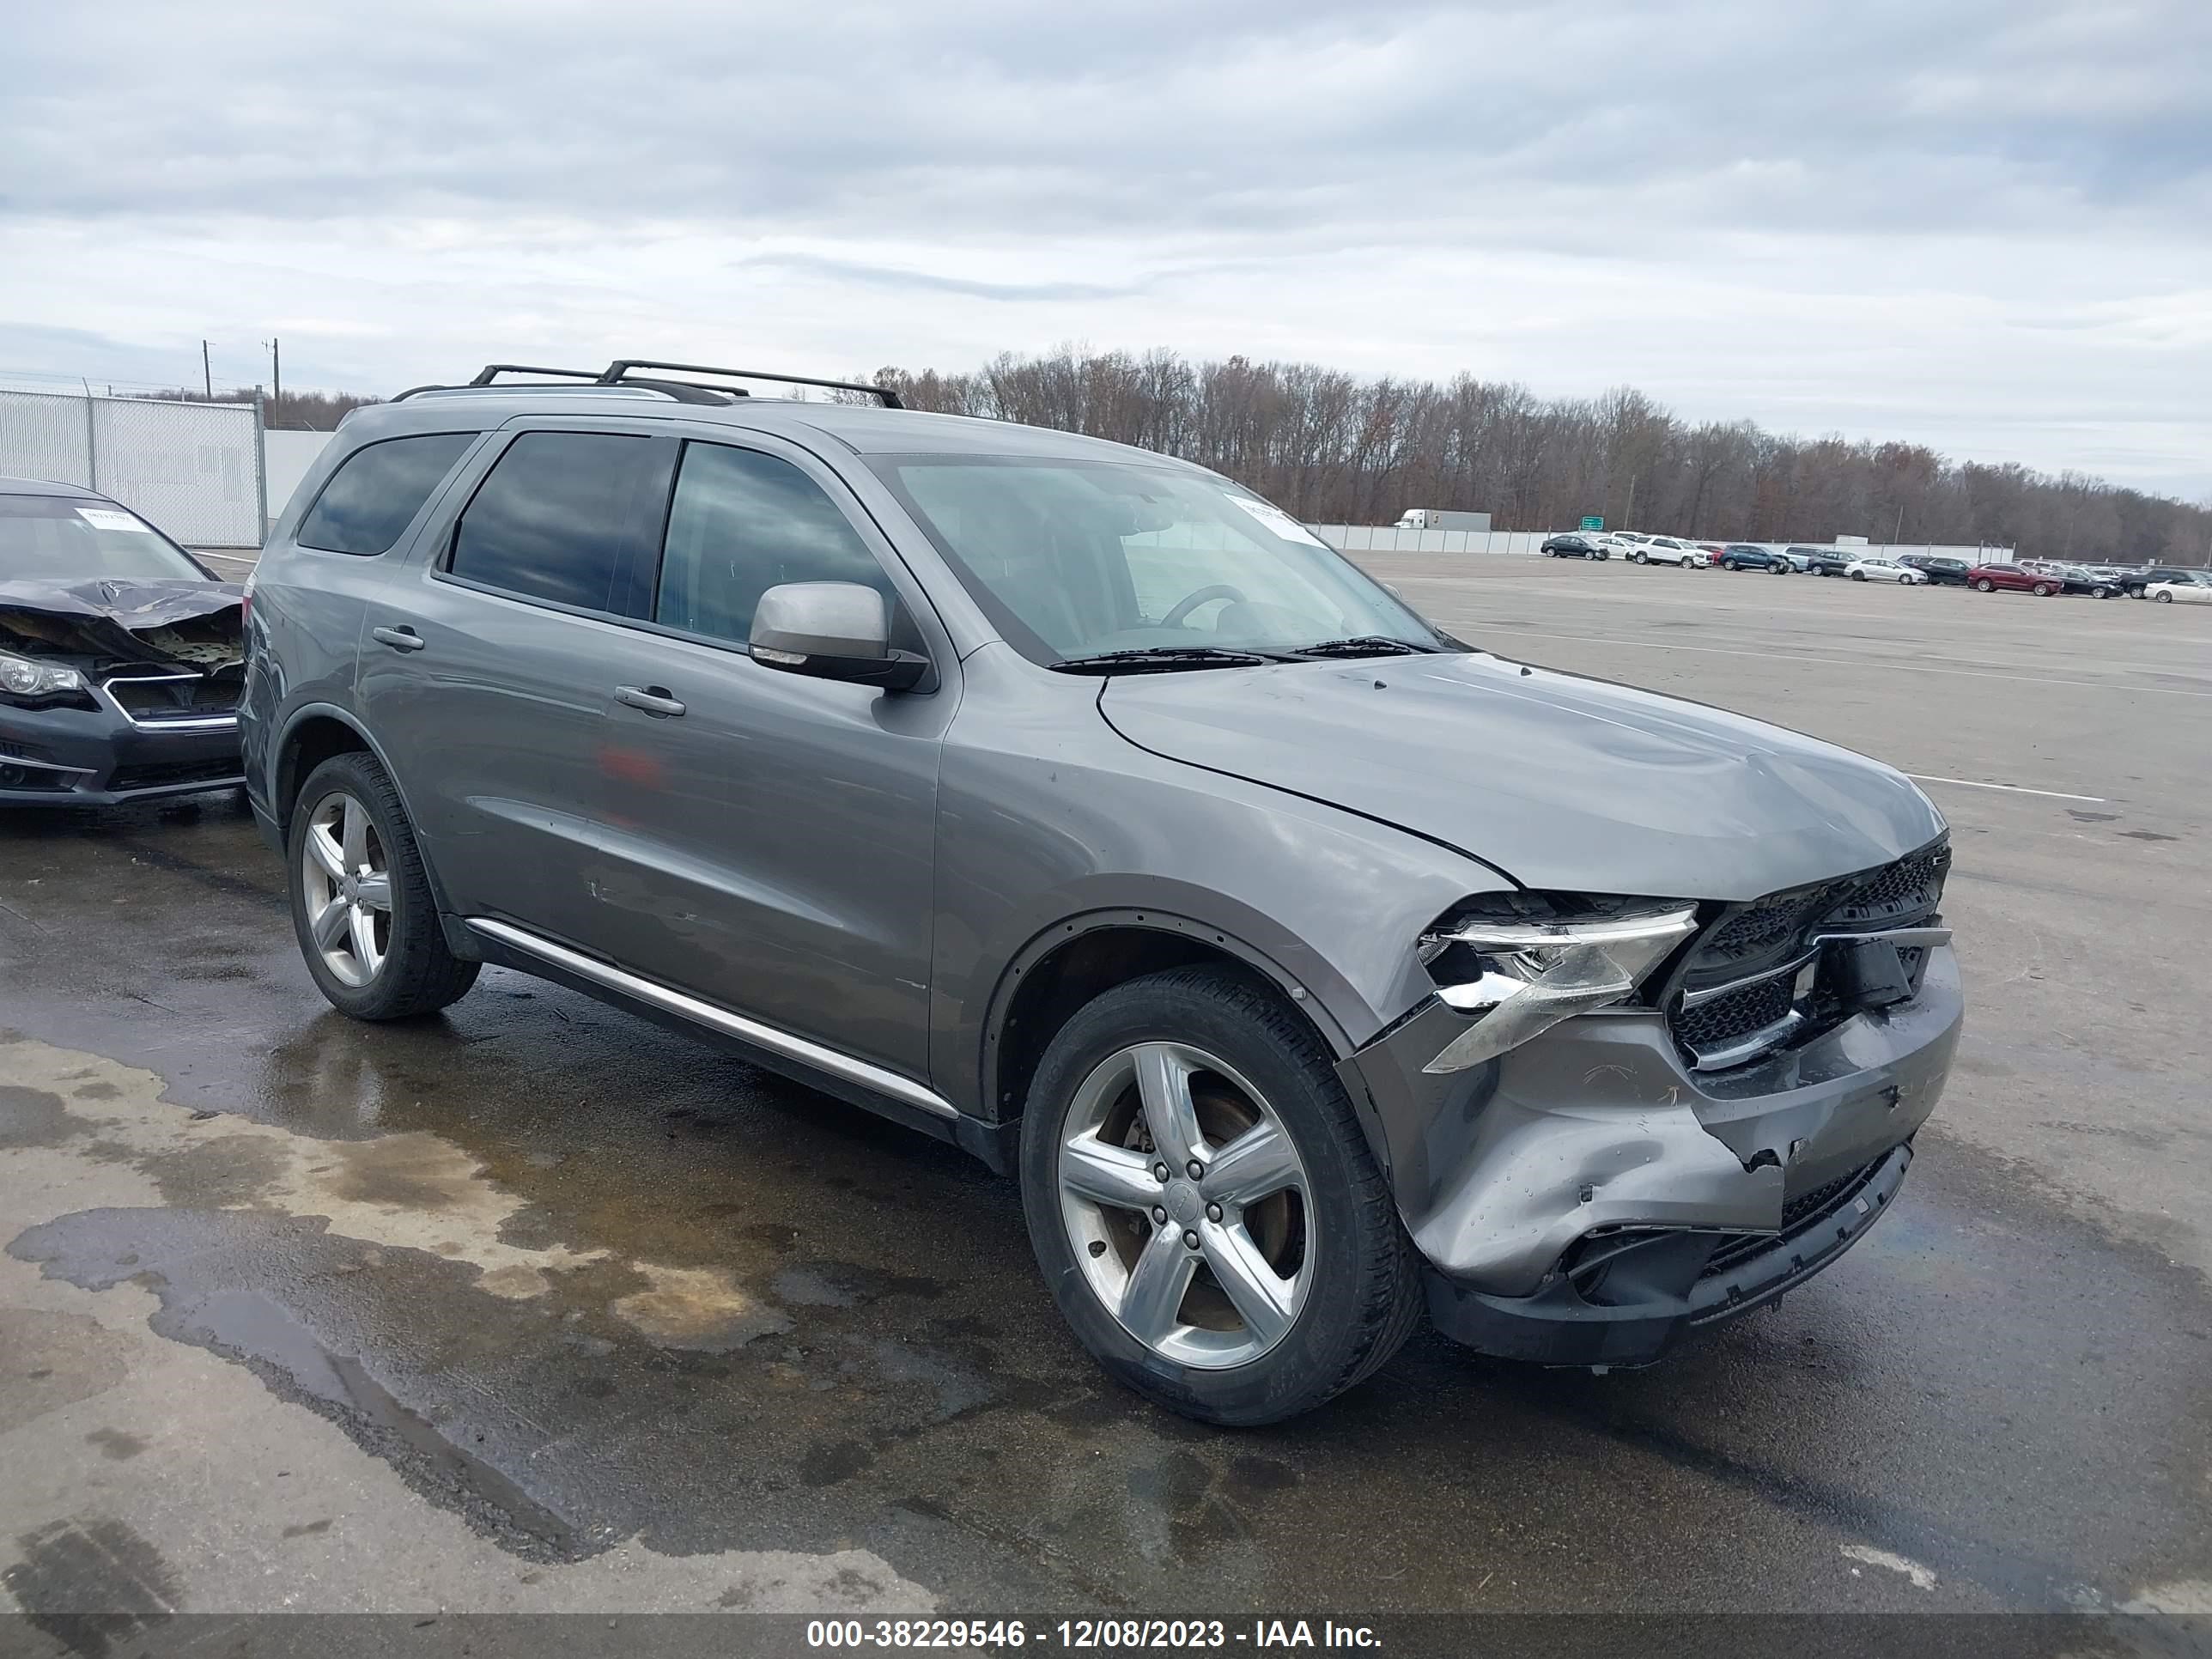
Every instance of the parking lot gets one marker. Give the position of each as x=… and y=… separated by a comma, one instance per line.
x=535, y=1306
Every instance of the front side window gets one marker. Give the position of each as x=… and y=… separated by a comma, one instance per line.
x=741, y=523
x=1074, y=559
x=377, y=491
x=567, y=517
x=69, y=539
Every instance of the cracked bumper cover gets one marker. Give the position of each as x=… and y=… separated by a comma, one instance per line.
x=1597, y=1127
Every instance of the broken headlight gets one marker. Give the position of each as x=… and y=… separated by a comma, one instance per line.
x=1519, y=964
x=25, y=677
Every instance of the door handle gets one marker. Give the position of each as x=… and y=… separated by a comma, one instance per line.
x=653, y=699
x=399, y=639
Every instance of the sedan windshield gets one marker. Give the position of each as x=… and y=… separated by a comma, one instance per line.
x=1074, y=560
x=68, y=539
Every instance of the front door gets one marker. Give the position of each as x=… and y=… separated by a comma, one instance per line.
x=770, y=847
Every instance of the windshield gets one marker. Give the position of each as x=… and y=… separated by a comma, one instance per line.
x=1075, y=559
x=68, y=539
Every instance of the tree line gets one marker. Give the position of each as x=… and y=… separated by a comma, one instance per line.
x=1331, y=447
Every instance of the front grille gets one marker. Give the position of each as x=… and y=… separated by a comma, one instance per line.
x=1912, y=886
x=1799, y=1215
x=150, y=701
x=1758, y=948
x=154, y=775
x=1733, y=1015
x=1755, y=929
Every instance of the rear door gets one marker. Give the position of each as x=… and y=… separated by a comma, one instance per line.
x=484, y=668
x=771, y=847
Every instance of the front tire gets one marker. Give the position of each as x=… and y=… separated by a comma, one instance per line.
x=1276, y=1277
x=2043, y=590
x=362, y=905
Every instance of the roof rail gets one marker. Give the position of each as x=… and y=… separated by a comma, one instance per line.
x=618, y=374
x=587, y=379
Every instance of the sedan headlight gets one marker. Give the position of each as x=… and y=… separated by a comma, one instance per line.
x=1519, y=977
x=24, y=677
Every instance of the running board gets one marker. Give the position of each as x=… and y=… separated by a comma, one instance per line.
x=903, y=1090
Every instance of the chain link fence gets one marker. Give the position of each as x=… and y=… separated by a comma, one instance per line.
x=196, y=470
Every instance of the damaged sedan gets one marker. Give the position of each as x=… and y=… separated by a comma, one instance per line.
x=1310, y=968
x=121, y=656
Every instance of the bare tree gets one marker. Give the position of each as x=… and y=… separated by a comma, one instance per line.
x=1331, y=447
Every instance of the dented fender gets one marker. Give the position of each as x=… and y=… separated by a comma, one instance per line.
x=1597, y=1123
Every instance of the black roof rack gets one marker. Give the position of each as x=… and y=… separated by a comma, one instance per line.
x=618, y=374
x=681, y=390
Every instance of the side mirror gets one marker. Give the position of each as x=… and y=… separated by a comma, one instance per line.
x=831, y=631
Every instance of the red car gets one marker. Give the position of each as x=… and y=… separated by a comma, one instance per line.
x=1988, y=578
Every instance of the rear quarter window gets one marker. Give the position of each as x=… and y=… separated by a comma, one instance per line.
x=377, y=491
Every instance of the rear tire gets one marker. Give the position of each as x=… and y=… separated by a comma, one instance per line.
x=360, y=900
x=1353, y=1287
x=2165, y=599
x=1985, y=586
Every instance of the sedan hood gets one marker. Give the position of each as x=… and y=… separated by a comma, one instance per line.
x=1555, y=781
x=168, y=622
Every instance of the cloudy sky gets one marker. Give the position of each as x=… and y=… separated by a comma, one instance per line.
x=1983, y=224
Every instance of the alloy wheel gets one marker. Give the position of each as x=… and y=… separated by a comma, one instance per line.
x=345, y=884
x=1187, y=1205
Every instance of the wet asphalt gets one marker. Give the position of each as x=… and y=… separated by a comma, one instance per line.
x=534, y=1294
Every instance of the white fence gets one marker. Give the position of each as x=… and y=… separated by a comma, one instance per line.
x=289, y=455
x=1389, y=538
x=196, y=470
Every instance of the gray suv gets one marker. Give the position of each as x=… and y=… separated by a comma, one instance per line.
x=1309, y=968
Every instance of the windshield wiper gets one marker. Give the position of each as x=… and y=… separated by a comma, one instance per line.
x=1162, y=659
x=1364, y=645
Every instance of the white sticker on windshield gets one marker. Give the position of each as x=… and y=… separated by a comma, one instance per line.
x=1278, y=520
x=107, y=518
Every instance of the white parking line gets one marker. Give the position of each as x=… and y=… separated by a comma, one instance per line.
x=2009, y=788
x=1832, y=662
x=233, y=558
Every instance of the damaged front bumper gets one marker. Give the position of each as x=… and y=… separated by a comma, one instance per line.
x=100, y=757
x=1585, y=1198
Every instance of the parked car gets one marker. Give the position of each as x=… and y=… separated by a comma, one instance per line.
x=1743, y=555
x=1574, y=545
x=2197, y=590
x=2138, y=583
x=1665, y=550
x=1801, y=558
x=1884, y=570
x=1940, y=570
x=1989, y=578
x=1076, y=806
x=1825, y=560
x=2075, y=578
x=120, y=655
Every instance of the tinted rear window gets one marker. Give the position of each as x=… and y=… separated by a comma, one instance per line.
x=377, y=491
x=565, y=516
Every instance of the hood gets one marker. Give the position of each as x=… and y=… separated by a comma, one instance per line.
x=198, y=624
x=1556, y=781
